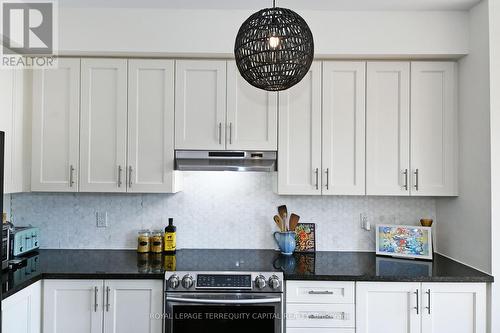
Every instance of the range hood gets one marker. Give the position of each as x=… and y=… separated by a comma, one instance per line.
x=203, y=160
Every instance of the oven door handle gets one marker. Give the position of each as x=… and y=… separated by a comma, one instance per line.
x=223, y=301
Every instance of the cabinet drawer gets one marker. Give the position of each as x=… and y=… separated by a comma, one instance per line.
x=320, y=315
x=319, y=292
x=320, y=330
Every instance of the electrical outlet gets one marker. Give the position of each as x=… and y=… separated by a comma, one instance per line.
x=365, y=224
x=101, y=219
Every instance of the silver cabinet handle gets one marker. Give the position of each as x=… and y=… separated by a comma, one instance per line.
x=327, y=178
x=416, y=295
x=107, y=299
x=316, y=172
x=428, y=307
x=120, y=176
x=129, y=176
x=314, y=292
x=96, y=289
x=405, y=173
x=220, y=133
x=416, y=179
x=230, y=133
x=71, y=170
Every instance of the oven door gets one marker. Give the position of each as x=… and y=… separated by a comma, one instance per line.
x=223, y=312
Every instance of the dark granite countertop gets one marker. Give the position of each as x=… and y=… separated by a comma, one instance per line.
x=333, y=266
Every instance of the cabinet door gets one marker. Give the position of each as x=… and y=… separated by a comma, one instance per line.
x=7, y=124
x=387, y=128
x=454, y=307
x=389, y=307
x=21, y=312
x=434, y=140
x=72, y=306
x=299, y=142
x=200, y=104
x=134, y=306
x=103, y=131
x=252, y=114
x=56, y=124
x=343, y=128
x=150, y=126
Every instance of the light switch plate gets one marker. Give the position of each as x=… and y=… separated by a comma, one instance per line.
x=101, y=219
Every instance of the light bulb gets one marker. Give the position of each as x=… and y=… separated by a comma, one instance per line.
x=274, y=42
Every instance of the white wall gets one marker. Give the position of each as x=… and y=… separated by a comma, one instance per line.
x=215, y=210
x=464, y=223
x=212, y=32
x=494, y=21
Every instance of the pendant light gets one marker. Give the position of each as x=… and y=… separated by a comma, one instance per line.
x=274, y=49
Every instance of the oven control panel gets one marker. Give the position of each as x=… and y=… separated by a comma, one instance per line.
x=244, y=281
x=236, y=281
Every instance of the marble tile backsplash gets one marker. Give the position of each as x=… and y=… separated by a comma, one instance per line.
x=215, y=210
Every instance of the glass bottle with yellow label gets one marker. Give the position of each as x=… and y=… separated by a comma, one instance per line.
x=169, y=240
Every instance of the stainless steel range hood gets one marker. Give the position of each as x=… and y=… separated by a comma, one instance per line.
x=202, y=160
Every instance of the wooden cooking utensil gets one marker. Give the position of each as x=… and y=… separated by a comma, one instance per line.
x=279, y=222
x=294, y=220
x=283, y=213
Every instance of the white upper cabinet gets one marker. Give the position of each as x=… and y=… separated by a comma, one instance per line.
x=7, y=123
x=455, y=307
x=387, y=128
x=56, y=123
x=103, y=131
x=389, y=307
x=299, y=142
x=150, y=126
x=15, y=120
x=130, y=304
x=433, y=128
x=252, y=114
x=343, y=128
x=200, y=104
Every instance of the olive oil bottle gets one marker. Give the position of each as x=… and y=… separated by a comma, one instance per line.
x=169, y=240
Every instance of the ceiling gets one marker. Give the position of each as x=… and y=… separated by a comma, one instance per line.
x=340, y=5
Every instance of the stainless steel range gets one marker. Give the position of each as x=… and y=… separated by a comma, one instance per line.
x=218, y=302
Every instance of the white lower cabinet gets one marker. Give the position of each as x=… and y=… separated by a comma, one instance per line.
x=318, y=306
x=131, y=305
x=454, y=307
x=97, y=306
x=21, y=312
x=393, y=307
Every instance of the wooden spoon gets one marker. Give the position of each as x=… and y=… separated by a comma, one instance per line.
x=283, y=213
x=279, y=222
x=294, y=220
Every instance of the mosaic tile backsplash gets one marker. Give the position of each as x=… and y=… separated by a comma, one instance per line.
x=215, y=210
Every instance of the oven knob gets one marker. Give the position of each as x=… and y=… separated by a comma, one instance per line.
x=260, y=282
x=173, y=281
x=187, y=281
x=274, y=282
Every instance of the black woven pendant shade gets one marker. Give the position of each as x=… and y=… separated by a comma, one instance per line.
x=274, y=49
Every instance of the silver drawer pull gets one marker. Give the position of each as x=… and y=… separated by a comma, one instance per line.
x=314, y=292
